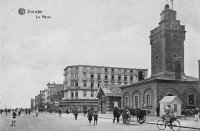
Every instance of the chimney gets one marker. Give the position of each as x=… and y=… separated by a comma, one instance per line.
x=178, y=68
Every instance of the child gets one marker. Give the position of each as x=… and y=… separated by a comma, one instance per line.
x=95, y=115
x=14, y=115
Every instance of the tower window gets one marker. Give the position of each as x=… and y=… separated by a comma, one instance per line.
x=157, y=57
x=174, y=55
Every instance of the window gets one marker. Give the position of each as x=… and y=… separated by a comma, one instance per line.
x=191, y=99
x=92, y=84
x=175, y=108
x=174, y=55
x=76, y=75
x=84, y=74
x=92, y=76
x=119, y=83
x=92, y=93
x=84, y=83
x=72, y=84
x=125, y=78
x=106, y=83
x=106, y=77
x=76, y=83
x=157, y=57
x=113, y=70
x=106, y=70
x=99, y=76
x=72, y=75
x=112, y=77
x=119, y=77
x=84, y=93
x=131, y=78
x=126, y=101
x=136, y=101
x=76, y=94
x=131, y=71
x=148, y=99
x=72, y=95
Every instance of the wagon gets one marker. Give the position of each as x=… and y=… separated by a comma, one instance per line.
x=133, y=115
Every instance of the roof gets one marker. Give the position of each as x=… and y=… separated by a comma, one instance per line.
x=105, y=67
x=166, y=77
x=168, y=99
x=110, y=90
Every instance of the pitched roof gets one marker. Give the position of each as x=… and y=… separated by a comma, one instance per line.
x=110, y=90
x=168, y=99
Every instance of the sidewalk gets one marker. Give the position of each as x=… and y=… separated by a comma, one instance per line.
x=185, y=123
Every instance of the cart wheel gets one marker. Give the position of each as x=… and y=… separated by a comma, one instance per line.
x=161, y=124
x=128, y=119
x=142, y=120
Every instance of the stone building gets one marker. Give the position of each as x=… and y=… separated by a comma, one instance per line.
x=109, y=97
x=82, y=82
x=167, y=66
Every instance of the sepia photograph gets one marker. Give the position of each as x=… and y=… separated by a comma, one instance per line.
x=99, y=65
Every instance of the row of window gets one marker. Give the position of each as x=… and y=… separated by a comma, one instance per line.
x=191, y=99
x=75, y=95
x=75, y=75
x=136, y=100
x=105, y=69
x=85, y=84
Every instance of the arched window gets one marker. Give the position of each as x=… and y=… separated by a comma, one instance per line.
x=191, y=100
x=136, y=101
x=148, y=99
x=126, y=101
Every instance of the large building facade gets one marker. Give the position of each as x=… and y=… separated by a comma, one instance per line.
x=82, y=82
x=167, y=66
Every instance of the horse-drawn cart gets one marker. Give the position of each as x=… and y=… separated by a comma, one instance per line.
x=128, y=115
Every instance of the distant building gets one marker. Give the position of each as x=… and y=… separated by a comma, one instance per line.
x=55, y=94
x=44, y=98
x=82, y=82
x=167, y=66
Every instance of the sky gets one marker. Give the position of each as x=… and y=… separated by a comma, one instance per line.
x=35, y=51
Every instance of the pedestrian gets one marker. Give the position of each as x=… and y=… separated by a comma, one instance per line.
x=67, y=111
x=158, y=111
x=60, y=112
x=90, y=113
x=6, y=110
x=19, y=112
x=75, y=114
x=196, y=114
x=14, y=116
x=29, y=111
x=84, y=111
x=36, y=112
x=95, y=115
x=116, y=114
x=50, y=110
x=33, y=113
